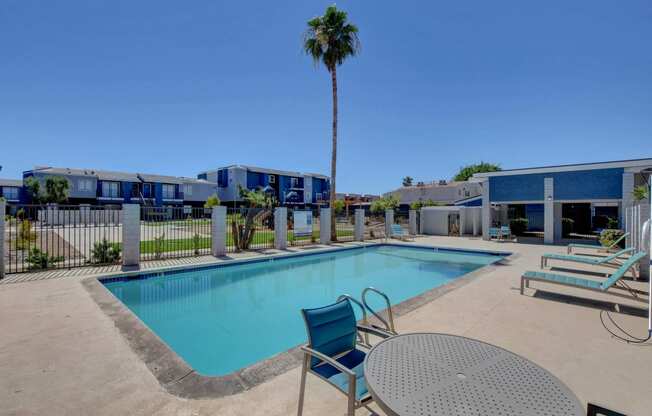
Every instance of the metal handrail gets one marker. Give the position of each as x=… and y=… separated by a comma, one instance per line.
x=364, y=338
x=389, y=323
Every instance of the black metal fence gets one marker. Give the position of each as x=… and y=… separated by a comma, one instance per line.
x=374, y=226
x=303, y=226
x=344, y=226
x=174, y=232
x=43, y=237
x=249, y=229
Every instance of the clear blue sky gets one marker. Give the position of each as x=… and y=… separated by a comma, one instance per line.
x=177, y=87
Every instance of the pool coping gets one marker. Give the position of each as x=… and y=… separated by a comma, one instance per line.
x=179, y=379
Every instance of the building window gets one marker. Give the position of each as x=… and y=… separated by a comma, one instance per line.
x=223, y=178
x=294, y=182
x=85, y=185
x=187, y=190
x=169, y=191
x=111, y=189
x=10, y=192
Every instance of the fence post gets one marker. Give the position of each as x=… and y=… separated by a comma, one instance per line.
x=281, y=228
x=412, y=219
x=359, y=225
x=130, y=235
x=325, y=226
x=389, y=221
x=3, y=211
x=218, y=230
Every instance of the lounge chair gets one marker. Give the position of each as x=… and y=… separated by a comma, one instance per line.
x=578, y=282
x=591, y=260
x=610, y=248
x=494, y=232
x=398, y=233
x=331, y=352
x=505, y=231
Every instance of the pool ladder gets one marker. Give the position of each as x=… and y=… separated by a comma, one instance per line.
x=364, y=307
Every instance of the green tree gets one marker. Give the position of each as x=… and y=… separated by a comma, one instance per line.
x=467, y=171
x=407, y=181
x=259, y=204
x=338, y=206
x=331, y=39
x=383, y=204
x=33, y=189
x=640, y=192
x=56, y=189
x=212, y=201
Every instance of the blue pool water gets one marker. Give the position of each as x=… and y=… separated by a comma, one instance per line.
x=225, y=318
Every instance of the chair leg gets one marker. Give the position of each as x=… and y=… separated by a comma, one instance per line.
x=522, y=283
x=302, y=387
x=350, y=410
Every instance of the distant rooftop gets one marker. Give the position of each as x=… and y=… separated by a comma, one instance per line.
x=270, y=171
x=11, y=182
x=107, y=175
x=630, y=163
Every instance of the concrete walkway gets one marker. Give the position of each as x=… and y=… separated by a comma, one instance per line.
x=61, y=355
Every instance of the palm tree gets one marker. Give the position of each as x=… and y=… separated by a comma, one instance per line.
x=330, y=39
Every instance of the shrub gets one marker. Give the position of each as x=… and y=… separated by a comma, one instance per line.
x=518, y=226
x=608, y=236
x=158, y=246
x=567, y=225
x=196, y=243
x=338, y=206
x=25, y=235
x=212, y=201
x=612, y=223
x=104, y=252
x=381, y=205
x=39, y=260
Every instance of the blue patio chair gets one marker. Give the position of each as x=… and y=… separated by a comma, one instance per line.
x=611, y=247
x=505, y=231
x=398, y=233
x=494, y=232
x=611, y=260
x=331, y=352
x=578, y=282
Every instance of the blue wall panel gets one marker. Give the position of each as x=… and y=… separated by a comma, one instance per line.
x=576, y=185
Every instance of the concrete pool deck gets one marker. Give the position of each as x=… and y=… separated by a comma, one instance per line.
x=61, y=354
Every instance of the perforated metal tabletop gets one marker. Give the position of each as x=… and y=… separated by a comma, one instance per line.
x=439, y=374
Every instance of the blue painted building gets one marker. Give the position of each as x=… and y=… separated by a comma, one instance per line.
x=288, y=187
x=592, y=195
x=91, y=186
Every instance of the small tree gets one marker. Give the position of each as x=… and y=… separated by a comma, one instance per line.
x=407, y=181
x=641, y=192
x=467, y=171
x=338, y=206
x=56, y=189
x=383, y=204
x=212, y=201
x=259, y=204
x=33, y=189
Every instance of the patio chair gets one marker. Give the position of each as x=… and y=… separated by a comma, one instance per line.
x=494, y=232
x=505, y=232
x=614, y=280
x=611, y=247
x=398, y=233
x=610, y=260
x=331, y=352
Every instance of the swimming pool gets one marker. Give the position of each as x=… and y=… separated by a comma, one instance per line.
x=221, y=319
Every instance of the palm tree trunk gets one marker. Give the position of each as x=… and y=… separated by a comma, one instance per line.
x=333, y=72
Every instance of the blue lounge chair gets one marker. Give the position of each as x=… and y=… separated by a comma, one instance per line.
x=398, y=233
x=612, y=281
x=610, y=260
x=331, y=352
x=505, y=231
x=610, y=248
x=494, y=232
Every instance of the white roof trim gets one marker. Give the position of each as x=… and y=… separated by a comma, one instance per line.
x=638, y=163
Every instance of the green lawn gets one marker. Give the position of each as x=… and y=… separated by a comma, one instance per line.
x=260, y=238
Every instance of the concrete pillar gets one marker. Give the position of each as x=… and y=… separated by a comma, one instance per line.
x=359, y=225
x=412, y=220
x=486, y=210
x=644, y=265
x=218, y=231
x=557, y=210
x=627, y=202
x=463, y=218
x=3, y=210
x=281, y=228
x=389, y=221
x=476, y=219
x=324, y=225
x=131, y=235
x=548, y=211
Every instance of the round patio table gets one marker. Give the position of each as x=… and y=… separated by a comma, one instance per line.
x=438, y=374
